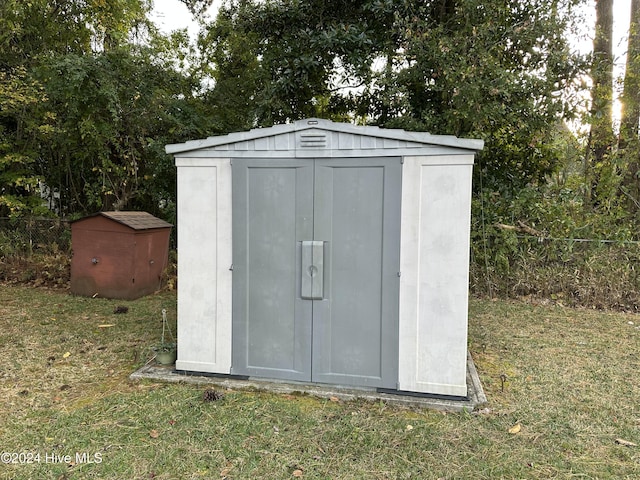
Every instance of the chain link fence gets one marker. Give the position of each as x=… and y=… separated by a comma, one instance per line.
x=574, y=272
x=26, y=236
x=594, y=273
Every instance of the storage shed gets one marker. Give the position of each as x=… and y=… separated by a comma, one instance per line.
x=328, y=253
x=118, y=254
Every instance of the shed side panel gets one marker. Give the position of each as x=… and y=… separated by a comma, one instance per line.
x=436, y=204
x=204, y=262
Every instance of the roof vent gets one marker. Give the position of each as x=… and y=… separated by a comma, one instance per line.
x=313, y=140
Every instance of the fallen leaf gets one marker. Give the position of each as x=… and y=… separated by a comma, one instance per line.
x=298, y=473
x=154, y=433
x=625, y=443
x=515, y=429
x=66, y=355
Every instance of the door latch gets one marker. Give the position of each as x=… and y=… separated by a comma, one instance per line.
x=312, y=271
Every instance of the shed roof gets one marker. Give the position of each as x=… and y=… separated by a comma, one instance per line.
x=313, y=135
x=134, y=220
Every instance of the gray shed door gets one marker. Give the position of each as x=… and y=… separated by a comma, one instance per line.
x=316, y=246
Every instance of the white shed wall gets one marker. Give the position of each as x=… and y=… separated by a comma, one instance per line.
x=434, y=261
x=204, y=261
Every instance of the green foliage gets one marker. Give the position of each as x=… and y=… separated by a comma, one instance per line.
x=90, y=94
x=295, y=59
x=29, y=30
x=18, y=181
x=115, y=111
x=495, y=70
x=498, y=70
x=35, y=35
x=231, y=59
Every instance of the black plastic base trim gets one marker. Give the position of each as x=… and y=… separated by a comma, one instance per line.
x=406, y=393
x=230, y=376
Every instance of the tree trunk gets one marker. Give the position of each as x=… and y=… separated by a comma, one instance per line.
x=629, y=143
x=601, y=133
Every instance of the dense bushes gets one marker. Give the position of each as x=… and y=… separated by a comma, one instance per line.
x=543, y=243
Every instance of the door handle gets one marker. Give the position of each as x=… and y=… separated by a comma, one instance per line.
x=312, y=272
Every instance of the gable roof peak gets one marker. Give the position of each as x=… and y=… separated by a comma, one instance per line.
x=423, y=138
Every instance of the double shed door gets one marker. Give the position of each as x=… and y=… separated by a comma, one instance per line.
x=316, y=247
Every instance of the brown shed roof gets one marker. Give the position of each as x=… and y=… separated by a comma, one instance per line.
x=135, y=220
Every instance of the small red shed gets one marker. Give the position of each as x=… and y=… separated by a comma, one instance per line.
x=118, y=254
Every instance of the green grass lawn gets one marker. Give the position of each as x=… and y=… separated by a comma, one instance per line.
x=568, y=378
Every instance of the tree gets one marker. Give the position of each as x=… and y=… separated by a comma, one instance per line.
x=84, y=109
x=114, y=22
x=18, y=182
x=629, y=143
x=198, y=7
x=495, y=70
x=491, y=69
x=231, y=59
x=295, y=59
x=28, y=31
x=599, y=149
x=112, y=110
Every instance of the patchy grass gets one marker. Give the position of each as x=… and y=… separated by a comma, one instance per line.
x=567, y=377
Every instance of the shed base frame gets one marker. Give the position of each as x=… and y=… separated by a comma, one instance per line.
x=475, y=393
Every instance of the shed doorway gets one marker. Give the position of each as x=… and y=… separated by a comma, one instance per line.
x=316, y=255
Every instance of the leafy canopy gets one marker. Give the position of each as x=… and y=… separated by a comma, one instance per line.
x=497, y=69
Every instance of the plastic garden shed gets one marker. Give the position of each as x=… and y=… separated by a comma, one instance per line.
x=326, y=253
x=118, y=254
